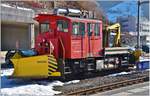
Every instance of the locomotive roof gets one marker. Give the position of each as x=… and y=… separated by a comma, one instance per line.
x=85, y=19
x=72, y=18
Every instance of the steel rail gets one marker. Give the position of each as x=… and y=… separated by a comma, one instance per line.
x=110, y=86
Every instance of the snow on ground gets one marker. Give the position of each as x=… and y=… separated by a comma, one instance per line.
x=121, y=73
x=18, y=87
x=73, y=81
x=32, y=89
x=5, y=5
x=6, y=72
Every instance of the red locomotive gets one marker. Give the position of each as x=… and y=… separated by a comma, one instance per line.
x=69, y=46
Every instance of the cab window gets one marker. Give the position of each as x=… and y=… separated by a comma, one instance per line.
x=82, y=28
x=62, y=26
x=78, y=28
x=97, y=29
x=44, y=27
x=89, y=29
x=75, y=28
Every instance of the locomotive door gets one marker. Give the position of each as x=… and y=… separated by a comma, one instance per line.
x=78, y=39
x=90, y=33
x=82, y=32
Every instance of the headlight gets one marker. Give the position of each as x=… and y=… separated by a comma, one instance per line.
x=44, y=40
x=47, y=44
x=39, y=44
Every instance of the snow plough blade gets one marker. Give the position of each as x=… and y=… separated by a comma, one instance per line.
x=34, y=67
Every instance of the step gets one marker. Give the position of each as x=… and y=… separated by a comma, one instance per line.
x=68, y=70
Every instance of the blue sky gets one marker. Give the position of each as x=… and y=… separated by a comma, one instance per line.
x=108, y=5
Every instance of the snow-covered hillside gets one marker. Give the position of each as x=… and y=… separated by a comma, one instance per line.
x=123, y=9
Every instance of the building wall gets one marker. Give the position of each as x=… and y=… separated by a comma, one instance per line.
x=128, y=24
x=11, y=33
x=145, y=27
x=16, y=27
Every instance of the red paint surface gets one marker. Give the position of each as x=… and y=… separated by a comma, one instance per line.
x=75, y=46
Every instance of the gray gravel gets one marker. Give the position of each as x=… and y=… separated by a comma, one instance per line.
x=93, y=82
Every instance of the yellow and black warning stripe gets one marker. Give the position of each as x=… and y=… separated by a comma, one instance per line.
x=52, y=64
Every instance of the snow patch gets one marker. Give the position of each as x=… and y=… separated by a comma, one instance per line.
x=21, y=8
x=57, y=83
x=5, y=5
x=33, y=89
x=19, y=87
x=7, y=72
x=12, y=87
x=121, y=73
x=73, y=81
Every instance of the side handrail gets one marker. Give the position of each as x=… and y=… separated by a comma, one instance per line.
x=62, y=48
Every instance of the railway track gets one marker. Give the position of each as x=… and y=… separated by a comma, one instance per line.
x=108, y=86
x=124, y=80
